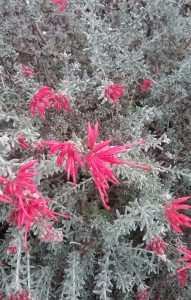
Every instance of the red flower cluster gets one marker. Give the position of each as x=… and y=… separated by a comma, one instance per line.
x=174, y=218
x=38, y=146
x=43, y=100
x=63, y=4
x=40, y=101
x=2, y=295
x=187, y=257
x=11, y=249
x=73, y=158
x=27, y=71
x=113, y=92
x=28, y=203
x=158, y=246
x=20, y=295
x=22, y=142
x=60, y=101
x=145, y=85
x=142, y=295
x=182, y=276
x=98, y=158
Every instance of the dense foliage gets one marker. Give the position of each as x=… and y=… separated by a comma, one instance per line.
x=95, y=136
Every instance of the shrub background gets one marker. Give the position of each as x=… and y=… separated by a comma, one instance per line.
x=79, y=51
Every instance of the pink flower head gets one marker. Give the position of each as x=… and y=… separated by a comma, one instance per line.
x=28, y=203
x=99, y=159
x=40, y=101
x=174, y=218
x=145, y=85
x=66, y=216
x=11, y=250
x=22, y=181
x=113, y=92
x=22, y=141
x=3, y=180
x=6, y=199
x=63, y=4
x=73, y=157
x=158, y=246
x=182, y=276
x=27, y=71
x=142, y=295
x=39, y=147
x=2, y=295
x=60, y=101
x=20, y=295
x=187, y=257
x=29, y=209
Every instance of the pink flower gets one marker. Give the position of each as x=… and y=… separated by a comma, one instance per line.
x=20, y=295
x=73, y=158
x=40, y=101
x=113, y=92
x=187, y=257
x=99, y=159
x=145, y=85
x=3, y=180
x=63, y=4
x=28, y=203
x=43, y=100
x=29, y=209
x=39, y=147
x=2, y=295
x=22, y=141
x=22, y=180
x=27, y=71
x=11, y=250
x=6, y=199
x=60, y=101
x=142, y=295
x=66, y=216
x=174, y=218
x=182, y=276
x=158, y=246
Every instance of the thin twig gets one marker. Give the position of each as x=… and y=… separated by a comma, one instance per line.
x=74, y=188
x=40, y=33
x=17, y=280
x=28, y=272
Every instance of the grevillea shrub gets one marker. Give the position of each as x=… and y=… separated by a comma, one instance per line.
x=95, y=164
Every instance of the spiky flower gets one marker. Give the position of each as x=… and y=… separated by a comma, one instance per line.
x=187, y=257
x=22, y=142
x=60, y=101
x=145, y=85
x=66, y=151
x=100, y=158
x=40, y=101
x=174, y=218
x=61, y=3
x=27, y=71
x=113, y=92
x=157, y=245
x=28, y=204
x=182, y=276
